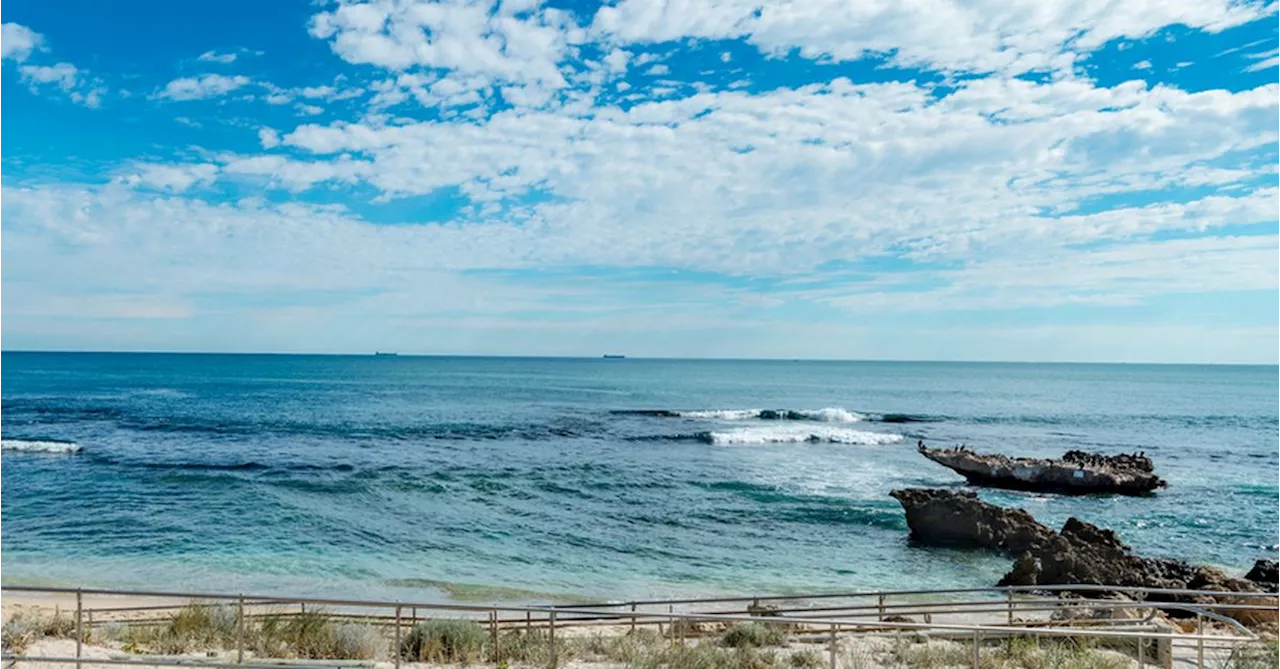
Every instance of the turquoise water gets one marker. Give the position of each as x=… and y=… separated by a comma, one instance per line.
x=487, y=478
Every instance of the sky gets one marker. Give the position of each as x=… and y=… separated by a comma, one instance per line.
x=1023, y=180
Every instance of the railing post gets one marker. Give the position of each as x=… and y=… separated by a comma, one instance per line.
x=633, y=618
x=1010, y=600
x=881, y=607
x=240, y=631
x=554, y=655
x=1142, y=660
x=396, y=650
x=79, y=627
x=977, y=645
x=493, y=632
x=671, y=626
x=833, y=646
x=1200, y=641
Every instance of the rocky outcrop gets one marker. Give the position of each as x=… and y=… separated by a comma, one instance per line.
x=1076, y=472
x=1080, y=553
x=1264, y=574
x=959, y=518
x=1086, y=553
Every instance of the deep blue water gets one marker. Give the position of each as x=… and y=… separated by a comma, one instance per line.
x=431, y=477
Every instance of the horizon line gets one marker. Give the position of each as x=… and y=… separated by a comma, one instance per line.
x=384, y=354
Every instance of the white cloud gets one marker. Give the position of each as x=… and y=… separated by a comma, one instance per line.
x=616, y=60
x=308, y=110
x=658, y=70
x=1265, y=60
x=948, y=35
x=269, y=138
x=215, y=57
x=64, y=75
x=75, y=83
x=841, y=171
x=171, y=178
x=1142, y=65
x=316, y=91
x=18, y=41
x=468, y=38
x=202, y=87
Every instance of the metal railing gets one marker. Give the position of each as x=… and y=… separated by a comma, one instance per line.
x=995, y=616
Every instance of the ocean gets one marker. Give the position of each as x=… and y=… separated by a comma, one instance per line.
x=526, y=479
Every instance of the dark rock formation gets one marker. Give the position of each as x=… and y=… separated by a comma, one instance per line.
x=1264, y=574
x=1076, y=473
x=1085, y=553
x=1081, y=553
x=959, y=518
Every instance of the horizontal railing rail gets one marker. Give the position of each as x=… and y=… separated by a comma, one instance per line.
x=829, y=619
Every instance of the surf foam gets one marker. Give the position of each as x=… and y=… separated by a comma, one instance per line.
x=826, y=415
x=798, y=434
x=37, y=446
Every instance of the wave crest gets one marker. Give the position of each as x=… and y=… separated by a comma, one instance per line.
x=825, y=415
x=38, y=446
x=797, y=435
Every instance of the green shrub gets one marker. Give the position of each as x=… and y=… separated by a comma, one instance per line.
x=705, y=656
x=356, y=641
x=1256, y=656
x=444, y=641
x=753, y=635
x=807, y=659
x=20, y=631
x=310, y=635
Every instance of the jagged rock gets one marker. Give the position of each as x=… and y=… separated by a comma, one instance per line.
x=1086, y=553
x=1076, y=473
x=758, y=609
x=1024, y=572
x=1076, y=608
x=1264, y=574
x=1081, y=553
x=959, y=518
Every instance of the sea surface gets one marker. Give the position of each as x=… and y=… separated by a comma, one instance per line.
x=488, y=479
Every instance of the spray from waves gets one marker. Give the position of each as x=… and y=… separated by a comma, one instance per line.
x=796, y=434
x=826, y=415
x=38, y=446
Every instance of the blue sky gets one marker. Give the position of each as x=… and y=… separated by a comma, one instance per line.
x=1035, y=180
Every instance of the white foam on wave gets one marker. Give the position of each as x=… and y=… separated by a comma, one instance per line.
x=832, y=415
x=826, y=415
x=36, y=446
x=723, y=414
x=799, y=434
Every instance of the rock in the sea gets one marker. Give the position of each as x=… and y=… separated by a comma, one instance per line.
x=1080, y=554
x=1076, y=472
x=959, y=518
x=1086, y=553
x=1264, y=574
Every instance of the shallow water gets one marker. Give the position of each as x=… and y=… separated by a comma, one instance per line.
x=531, y=479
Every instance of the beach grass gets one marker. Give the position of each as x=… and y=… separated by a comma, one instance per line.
x=22, y=630
x=461, y=641
x=317, y=634
x=754, y=635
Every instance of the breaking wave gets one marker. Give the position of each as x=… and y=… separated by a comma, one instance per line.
x=826, y=415
x=38, y=446
x=797, y=435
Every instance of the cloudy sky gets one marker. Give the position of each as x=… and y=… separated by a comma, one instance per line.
x=901, y=179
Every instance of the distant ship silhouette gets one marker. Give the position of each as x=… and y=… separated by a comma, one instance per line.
x=613, y=356
x=384, y=354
